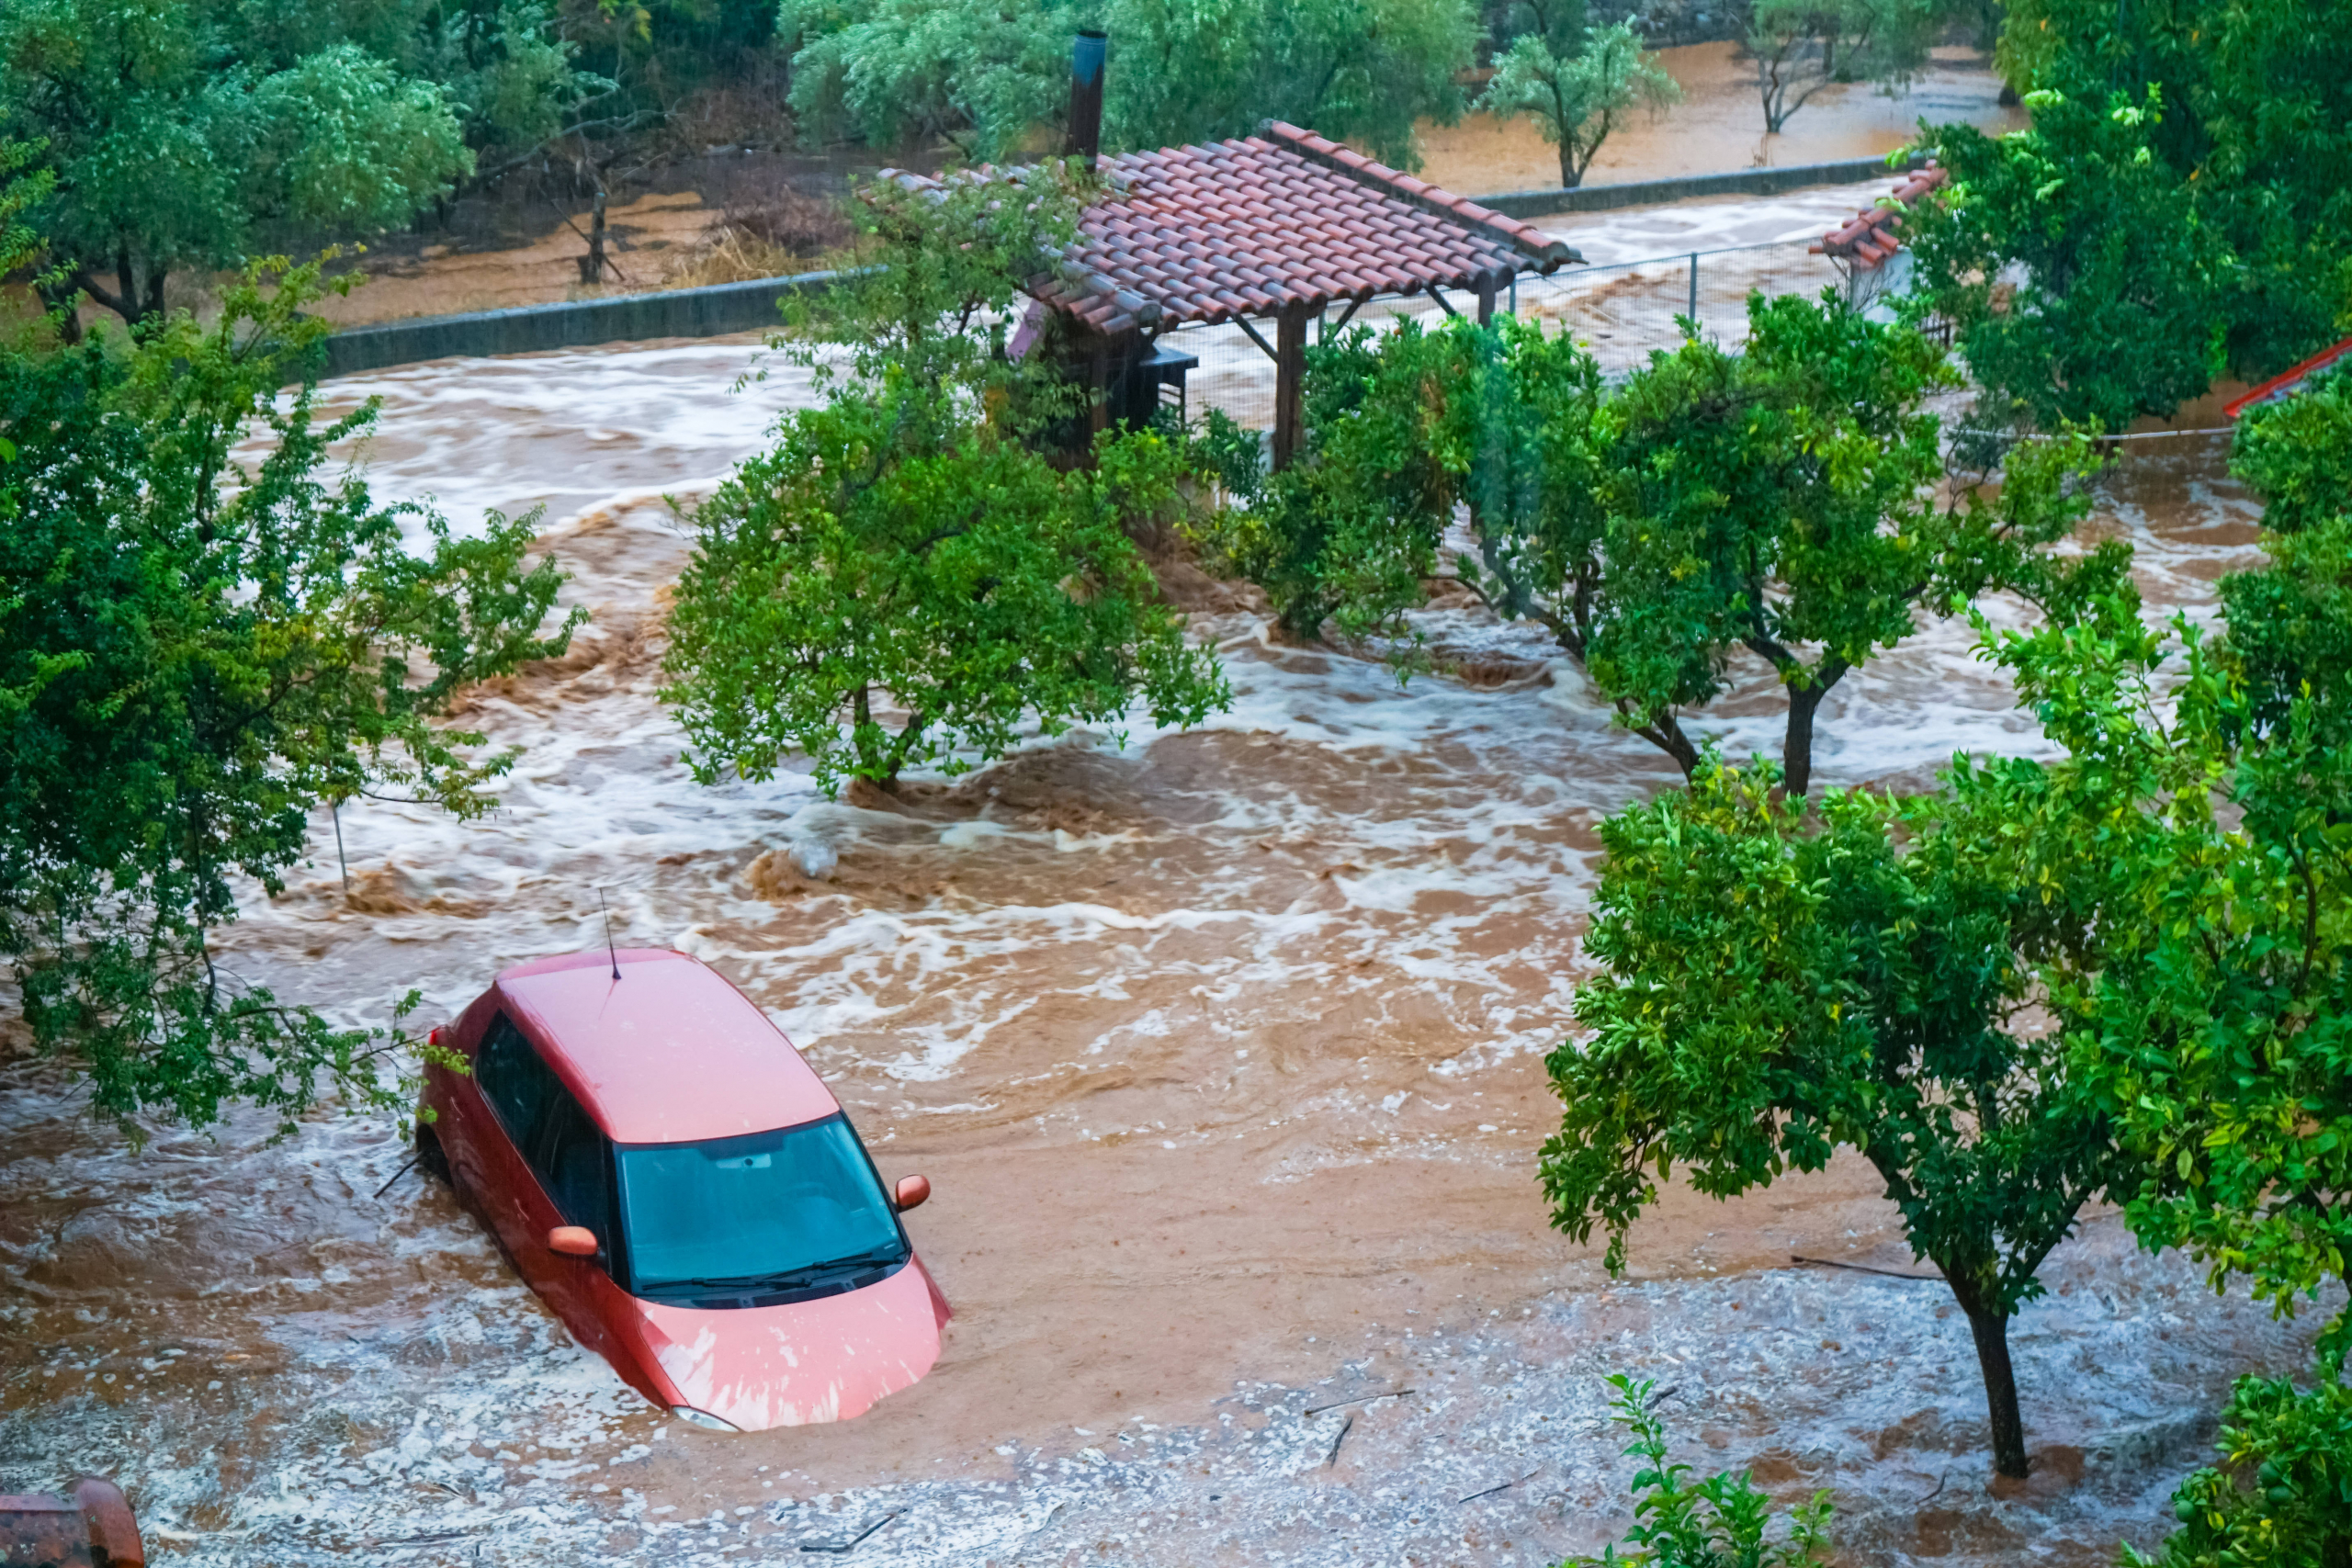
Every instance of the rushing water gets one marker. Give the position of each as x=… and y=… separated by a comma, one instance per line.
x=1222, y=1049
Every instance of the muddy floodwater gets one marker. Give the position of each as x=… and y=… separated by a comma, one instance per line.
x=1222, y=1050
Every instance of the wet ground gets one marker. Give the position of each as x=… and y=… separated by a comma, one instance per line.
x=1222, y=1048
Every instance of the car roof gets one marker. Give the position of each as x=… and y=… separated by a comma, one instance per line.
x=669, y=1053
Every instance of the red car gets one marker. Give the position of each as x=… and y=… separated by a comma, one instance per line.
x=661, y=1167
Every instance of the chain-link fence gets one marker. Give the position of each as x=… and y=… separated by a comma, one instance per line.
x=1620, y=311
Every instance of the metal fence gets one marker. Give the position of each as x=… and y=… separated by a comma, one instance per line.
x=1621, y=313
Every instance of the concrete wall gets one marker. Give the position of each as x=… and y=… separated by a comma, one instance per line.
x=630, y=318
x=1526, y=204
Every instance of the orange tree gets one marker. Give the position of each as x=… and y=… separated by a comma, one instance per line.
x=1776, y=503
x=1777, y=985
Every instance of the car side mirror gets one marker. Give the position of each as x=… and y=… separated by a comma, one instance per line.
x=912, y=1190
x=573, y=1241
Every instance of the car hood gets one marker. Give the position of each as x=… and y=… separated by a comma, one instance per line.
x=791, y=1366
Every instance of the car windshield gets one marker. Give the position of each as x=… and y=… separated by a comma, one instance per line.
x=797, y=1208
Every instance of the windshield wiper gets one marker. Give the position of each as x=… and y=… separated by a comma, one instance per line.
x=784, y=1279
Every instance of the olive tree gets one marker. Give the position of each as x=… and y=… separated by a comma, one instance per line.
x=1576, y=100
x=992, y=81
x=198, y=134
x=1801, y=47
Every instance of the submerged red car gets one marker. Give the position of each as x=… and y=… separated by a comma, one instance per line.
x=683, y=1191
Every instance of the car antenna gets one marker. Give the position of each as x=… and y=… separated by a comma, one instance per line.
x=608, y=934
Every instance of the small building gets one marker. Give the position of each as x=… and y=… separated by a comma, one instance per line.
x=1267, y=231
x=1867, y=249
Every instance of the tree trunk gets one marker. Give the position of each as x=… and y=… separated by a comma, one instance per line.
x=1805, y=702
x=1796, y=748
x=1992, y=1334
x=1668, y=737
x=1569, y=177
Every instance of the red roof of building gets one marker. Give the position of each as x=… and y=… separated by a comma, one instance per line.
x=1871, y=236
x=2288, y=385
x=1247, y=227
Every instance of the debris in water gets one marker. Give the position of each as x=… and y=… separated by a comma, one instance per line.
x=1864, y=1269
x=851, y=1545
x=1333, y=1458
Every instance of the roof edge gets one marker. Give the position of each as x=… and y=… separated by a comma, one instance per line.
x=2289, y=382
x=1547, y=253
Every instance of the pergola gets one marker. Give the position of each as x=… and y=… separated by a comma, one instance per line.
x=1278, y=228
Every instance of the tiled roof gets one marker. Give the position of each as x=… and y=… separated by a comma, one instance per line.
x=1873, y=235
x=1245, y=227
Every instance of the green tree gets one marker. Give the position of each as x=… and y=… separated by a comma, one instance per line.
x=2116, y=313
x=2217, y=1019
x=992, y=81
x=1778, y=984
x=2290, y=624
x=2181, y=206
x=196, y=134
x=1575, y=100
x=2296, y=1450
x=1776, y=503
x=903, y=577
x=879, y=552
x=1721, y=1522
x=19, y=189
x=193, y=656
x=1801, y=47
x=937, y=293
x=1559, y=23
x=2297, y=454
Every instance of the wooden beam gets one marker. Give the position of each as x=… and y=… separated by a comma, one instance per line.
x=1243, y=323
x=1290, y=370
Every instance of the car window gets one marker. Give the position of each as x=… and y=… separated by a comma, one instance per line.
x=575, y=1164
x=554, y=1134
x=519, y=1086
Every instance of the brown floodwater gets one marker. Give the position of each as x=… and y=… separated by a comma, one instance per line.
x=1222, y=1050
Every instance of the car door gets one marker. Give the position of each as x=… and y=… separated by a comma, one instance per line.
x=573, y=1162
x=549, y=1147
x=463, y=1123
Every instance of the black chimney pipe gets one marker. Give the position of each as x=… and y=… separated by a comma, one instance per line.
x=1086, y=97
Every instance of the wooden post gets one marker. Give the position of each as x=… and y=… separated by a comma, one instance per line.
x=1290, y=369
x=591, y=266
x=1487, y=288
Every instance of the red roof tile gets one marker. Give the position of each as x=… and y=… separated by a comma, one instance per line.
x=1872, y=236
x=1286, y=218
